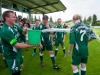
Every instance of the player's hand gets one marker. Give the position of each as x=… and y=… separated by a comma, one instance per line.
x=53, y=43
x=24, y=30
x=63, y=41
x=47, y=26
x=41, y=46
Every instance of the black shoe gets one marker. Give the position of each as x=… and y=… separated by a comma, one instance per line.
x=56, y=67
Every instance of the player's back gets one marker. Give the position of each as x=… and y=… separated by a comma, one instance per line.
x=81, y=39
x=81, y=36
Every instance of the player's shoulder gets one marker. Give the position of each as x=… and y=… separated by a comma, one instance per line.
x=85, y=25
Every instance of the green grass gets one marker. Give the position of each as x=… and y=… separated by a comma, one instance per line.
x=32, y=64
x=97, y=30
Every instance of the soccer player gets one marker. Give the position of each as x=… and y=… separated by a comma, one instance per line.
x=36, y=27
x=12, y=46
x=80, y=35
x=46, y=42
x=59, y=37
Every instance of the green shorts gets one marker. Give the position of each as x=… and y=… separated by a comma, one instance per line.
x=76, y=60
x=48, y=47
x=14, y=64
x=57, y=42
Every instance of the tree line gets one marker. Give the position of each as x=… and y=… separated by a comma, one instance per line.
x=92, y=20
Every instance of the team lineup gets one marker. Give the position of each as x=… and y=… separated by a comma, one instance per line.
x=14, y=39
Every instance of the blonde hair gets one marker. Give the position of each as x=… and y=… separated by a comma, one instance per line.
x=76, y=17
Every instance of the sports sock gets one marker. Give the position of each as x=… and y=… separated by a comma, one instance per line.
x=76, y=72
x=83, y=71
x=53, y=60
x=34, y=49
x=56, y=51
x=41, y=57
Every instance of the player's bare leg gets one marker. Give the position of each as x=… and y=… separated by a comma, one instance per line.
x=21, y=66
x=75, y=70
x=83, y=69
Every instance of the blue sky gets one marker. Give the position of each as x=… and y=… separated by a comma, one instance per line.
x=83, y=7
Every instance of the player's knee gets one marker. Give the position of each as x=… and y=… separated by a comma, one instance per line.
x=51, y=52
x=74, y=67
x=83, y=65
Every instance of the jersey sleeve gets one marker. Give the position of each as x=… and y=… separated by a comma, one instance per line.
x=20, y=29
x=72, y=36
x=9, y=37
x=92, y=35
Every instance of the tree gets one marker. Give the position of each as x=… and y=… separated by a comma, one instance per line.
x=84, y=20
x=51, y=19
x=98, y=23
x=35, y=18
x=89, y=20
x=39, y=18
x=94, y=20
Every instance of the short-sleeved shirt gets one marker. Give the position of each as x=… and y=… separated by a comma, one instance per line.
x=36, y=27
x=10, y=36
x=45, y=36
x=59, y=35
x=79, y=35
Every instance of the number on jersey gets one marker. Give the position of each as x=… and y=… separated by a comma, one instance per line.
x=83, y=32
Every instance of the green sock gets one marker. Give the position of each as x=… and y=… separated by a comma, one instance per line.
x=56, y=51
x=53, y=60
x=34, y=50
x=83, y=71
x=76, y=72
x=41, y=57
x=64, y=50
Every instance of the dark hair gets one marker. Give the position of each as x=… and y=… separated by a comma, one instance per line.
x=28, y=25
x=6, y=14
x=45, y=17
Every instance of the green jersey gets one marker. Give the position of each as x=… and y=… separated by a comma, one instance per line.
x=59, y=35
x=10, y=36
x=36, y=27
x=1, y=46
x=79, y=35
x=45, y=36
